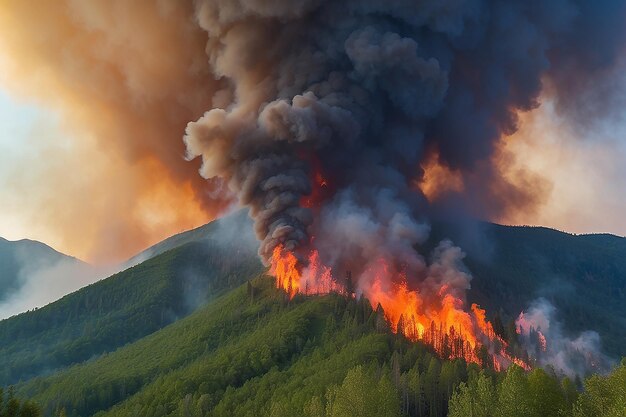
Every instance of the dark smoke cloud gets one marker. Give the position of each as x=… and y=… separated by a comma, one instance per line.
x=362, y=92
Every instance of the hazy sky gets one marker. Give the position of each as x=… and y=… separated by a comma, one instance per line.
x=63, y=188
x=18, y=125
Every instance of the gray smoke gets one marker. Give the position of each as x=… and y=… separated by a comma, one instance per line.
x=570, y=355
x=331, y=109
x=360, y=92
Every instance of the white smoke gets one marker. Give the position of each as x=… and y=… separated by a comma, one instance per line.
x=543, y=337
x=42, y=281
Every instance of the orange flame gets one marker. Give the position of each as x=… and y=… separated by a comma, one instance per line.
x=543, y=344
x=284, y=269
x=444, y=325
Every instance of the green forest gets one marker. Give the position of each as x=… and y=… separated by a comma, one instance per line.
x=253, y=352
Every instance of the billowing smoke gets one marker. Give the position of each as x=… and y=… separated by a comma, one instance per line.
x=332, y=109
x=291, y=89
x=543, y=337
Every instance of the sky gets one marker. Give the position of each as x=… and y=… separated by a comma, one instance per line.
x=52, y=179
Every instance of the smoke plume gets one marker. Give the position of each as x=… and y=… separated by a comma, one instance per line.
x=336, y=107
x=543, y=337
x=291, y=91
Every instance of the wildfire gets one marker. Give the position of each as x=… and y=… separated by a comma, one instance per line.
x=543, y=344
x=284, y=269
x=444, y=325
x=293, y=278
x=320, y=190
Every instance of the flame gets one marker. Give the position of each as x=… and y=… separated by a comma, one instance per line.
x=315, y=278
x=543, y=344
x=321, y=188
x=284, y=269
x=444, y=325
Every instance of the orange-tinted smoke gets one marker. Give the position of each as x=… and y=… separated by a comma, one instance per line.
x=125, y=79
x=500, y=188
x=437, y=179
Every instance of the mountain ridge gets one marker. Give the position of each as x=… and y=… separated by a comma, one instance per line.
x=191, y=268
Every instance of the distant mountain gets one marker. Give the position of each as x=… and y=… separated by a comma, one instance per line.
x=20, y=259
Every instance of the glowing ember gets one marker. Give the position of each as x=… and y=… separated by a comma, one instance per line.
x=543, y=345
x=445, y=325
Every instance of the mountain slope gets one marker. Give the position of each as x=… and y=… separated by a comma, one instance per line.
x=123, y=308
x=583, y=276
x=252, y=352
x=235, y=228
x=238, y=356
x=19, y=259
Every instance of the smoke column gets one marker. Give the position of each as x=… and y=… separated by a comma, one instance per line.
x=335, y=114
x=332, y=109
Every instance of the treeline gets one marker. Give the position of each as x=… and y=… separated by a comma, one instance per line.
x=11, y=406
x=538, y=394
x=369, y=392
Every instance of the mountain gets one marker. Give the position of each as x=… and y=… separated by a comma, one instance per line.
x=253, y=352
x=235, y=357
x=19, y=260
x=184, y=332
x=582, y=276
x=123, y=308
x=235, y=228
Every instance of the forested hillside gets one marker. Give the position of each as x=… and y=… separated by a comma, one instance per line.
x=121, y=309
x=145, y=341
x=583, y=276
x=253, y=352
